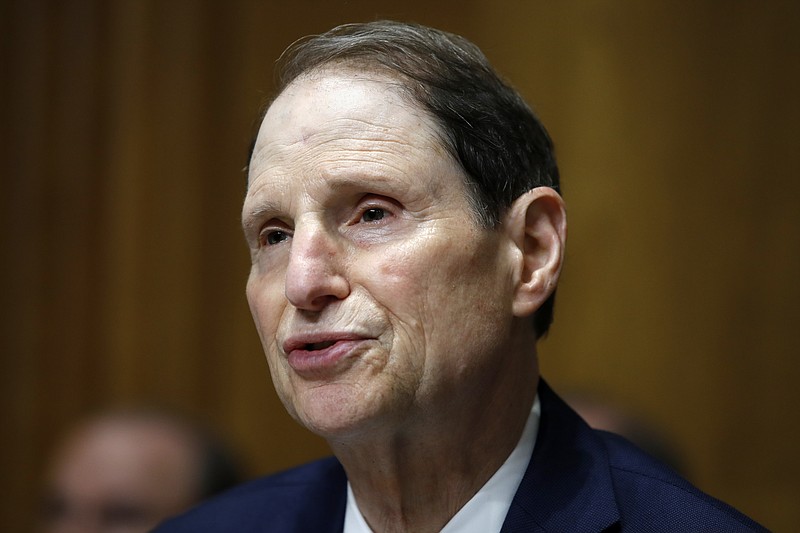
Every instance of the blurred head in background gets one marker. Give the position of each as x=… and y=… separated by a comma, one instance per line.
x=126, y=471
x=601, y=412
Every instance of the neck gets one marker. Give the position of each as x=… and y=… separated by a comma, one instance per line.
x=416, y=478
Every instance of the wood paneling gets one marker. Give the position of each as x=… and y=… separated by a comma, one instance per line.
x=125, y=127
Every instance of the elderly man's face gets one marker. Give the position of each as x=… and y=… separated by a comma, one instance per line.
x=375, y=294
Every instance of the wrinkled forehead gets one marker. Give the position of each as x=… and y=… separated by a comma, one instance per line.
x=347, y=98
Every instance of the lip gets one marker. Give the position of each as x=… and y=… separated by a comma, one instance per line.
x=322, y=354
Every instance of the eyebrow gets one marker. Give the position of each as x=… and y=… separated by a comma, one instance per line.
x=366, y=182
x=251, y=217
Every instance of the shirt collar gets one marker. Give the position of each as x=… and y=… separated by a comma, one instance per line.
x=487, y=509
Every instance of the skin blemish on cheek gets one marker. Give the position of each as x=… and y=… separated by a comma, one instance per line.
x=393, y=270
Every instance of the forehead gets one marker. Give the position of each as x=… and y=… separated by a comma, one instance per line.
x=368, y=115
x=332, y=93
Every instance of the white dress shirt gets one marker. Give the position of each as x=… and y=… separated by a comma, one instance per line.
x=486, y=511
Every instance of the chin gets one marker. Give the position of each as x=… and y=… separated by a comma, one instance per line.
x=336, y=412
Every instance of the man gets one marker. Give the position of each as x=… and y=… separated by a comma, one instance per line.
x=126, y=471
x=407, y=235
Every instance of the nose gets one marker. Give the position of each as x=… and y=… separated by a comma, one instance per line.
x=314, y=275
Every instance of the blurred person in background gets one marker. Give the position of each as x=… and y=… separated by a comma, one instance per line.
x=125, y=471
x=603, y=413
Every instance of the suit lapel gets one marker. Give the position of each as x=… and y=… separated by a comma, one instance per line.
x=567, y=485
x=325, y=499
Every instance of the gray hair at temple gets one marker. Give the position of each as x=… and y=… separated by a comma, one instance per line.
x=485, y=124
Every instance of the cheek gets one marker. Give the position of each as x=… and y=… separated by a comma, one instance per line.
x=402, y=281
x=444, y=290
x=428, y=272
x=265, y=307
x=415, y=284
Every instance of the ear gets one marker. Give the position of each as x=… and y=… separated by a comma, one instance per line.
x=536, y=224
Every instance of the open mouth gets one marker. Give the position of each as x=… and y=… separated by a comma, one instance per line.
x=312, y=346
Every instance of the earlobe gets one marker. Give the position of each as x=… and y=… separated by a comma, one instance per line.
x=537, y=226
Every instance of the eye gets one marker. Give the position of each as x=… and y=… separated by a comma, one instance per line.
x=270, y=237
x=373, y=214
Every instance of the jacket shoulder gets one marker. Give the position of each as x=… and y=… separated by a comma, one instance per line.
x=275, y=503
x=652, y=497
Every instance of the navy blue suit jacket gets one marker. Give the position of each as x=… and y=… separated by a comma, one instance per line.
x=578, y=480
